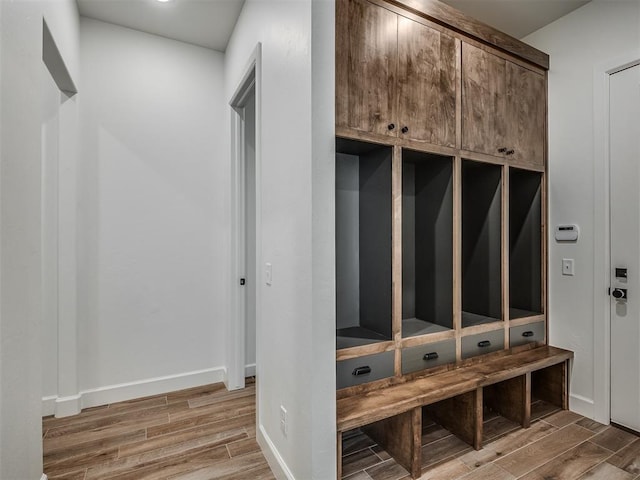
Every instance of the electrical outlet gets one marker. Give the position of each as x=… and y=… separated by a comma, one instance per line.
x=284, y=427
x=567, y=266
x=268, y=273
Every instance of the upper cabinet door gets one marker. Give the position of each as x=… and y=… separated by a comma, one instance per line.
x=503, y=107
x=366, y=67
x=484, y=102
x=426, y=84
x=526, y=110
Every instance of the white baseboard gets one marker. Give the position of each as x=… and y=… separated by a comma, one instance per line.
x=128, y=391
x=49, y=405
x=250, y=370
x=44, y=477
x=274, y=459
x=582, y=405
x=67, y=406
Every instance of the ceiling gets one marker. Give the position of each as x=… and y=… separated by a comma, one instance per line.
x=518, y=18
x=209, y=23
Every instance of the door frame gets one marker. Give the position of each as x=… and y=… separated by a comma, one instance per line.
x=251, y=81
x=601, y=407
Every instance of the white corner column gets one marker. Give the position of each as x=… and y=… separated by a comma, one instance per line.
x=68, y=401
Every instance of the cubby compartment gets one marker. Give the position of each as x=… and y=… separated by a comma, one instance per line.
x=481, y=243
x=427, y=243
x=550, y=386
x=363, y=243
x=525, y=243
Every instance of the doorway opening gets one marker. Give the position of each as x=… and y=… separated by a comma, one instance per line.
x=245, y=227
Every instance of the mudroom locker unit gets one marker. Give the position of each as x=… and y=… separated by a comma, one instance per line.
x=440, y=205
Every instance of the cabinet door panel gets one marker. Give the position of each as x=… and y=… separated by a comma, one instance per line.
x=484, y=127
x=526, y=101
x=366, y=66
x=426, y=83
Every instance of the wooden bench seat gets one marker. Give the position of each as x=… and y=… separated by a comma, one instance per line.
x=392, y=415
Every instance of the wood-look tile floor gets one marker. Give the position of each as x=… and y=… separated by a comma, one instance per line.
x=559, y=445
x=197, y=434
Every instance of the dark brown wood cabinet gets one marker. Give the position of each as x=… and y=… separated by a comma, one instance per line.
x=366, y=65
x=484, y=101
x=526, y=114
x=503, y=107
x=440, y=191
x=426, y=84
x=440, y=225
x=395, y=76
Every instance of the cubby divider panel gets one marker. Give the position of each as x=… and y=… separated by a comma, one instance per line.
x=525, y=243
x=363, y=243
x=481, y=243
x=427, y=243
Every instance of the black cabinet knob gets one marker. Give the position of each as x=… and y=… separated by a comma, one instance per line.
x=502, y=149
x=528, y=333
x=430, y=356
x=511, y=152
x=484, y=344
x=405, y=129
x=391, y=126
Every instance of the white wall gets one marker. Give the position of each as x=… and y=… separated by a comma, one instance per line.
x=296, y=324
x=152, y=252
x=20, y=223
x=579, y=44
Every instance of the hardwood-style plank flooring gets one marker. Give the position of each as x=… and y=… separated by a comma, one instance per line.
x=208, y=433
x=196, y=434
x=559, y=445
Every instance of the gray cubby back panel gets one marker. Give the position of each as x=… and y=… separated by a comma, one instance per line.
x=525, y=249
x=375, y=241
x=347, y=241
x=408, y=240
x=427, y=241
x=481, y=239
x=434, y=243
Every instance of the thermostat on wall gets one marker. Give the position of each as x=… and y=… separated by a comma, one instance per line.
x=567, y=233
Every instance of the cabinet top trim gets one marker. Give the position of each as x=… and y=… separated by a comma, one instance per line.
x=443, y=14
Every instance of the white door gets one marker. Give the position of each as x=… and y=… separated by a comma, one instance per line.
x=250, y=233
x=624, y=121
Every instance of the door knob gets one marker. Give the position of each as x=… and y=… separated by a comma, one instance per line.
x=619, y=293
